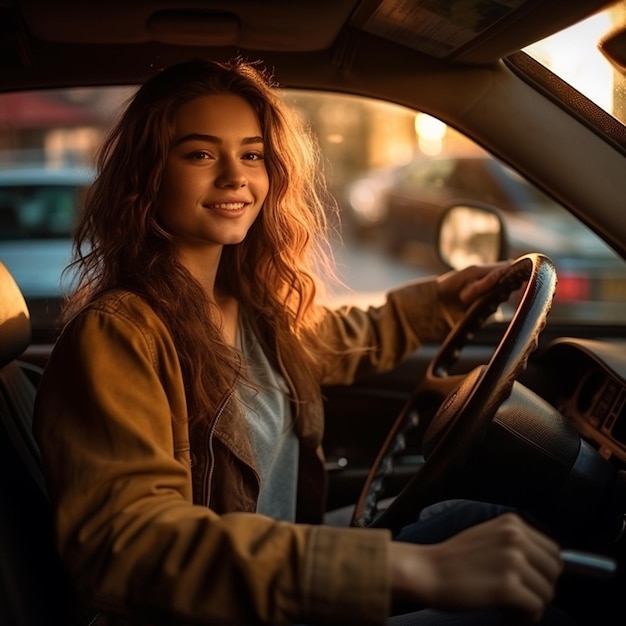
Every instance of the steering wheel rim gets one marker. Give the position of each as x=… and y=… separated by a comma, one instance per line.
x=470, y=401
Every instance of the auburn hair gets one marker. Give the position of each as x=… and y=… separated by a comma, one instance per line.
x=120, y=244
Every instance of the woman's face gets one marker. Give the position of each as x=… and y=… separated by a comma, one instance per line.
x=215, y=180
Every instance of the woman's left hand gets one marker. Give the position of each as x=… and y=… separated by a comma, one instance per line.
x=459, y=289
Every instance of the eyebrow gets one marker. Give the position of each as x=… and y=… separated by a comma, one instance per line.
x=213, y=139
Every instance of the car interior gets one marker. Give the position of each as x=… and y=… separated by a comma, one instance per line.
x=549, y=431
x=31, y=575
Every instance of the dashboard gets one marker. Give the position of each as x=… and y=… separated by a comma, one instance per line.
x=590, y=390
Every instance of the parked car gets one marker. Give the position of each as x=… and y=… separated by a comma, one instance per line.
x=365, y=208
x=422, y=190
x=544, y=426
x=404, y=206
x=410, y=199
x=38, y=209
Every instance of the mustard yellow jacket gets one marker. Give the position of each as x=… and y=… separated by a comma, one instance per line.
x=157, y=523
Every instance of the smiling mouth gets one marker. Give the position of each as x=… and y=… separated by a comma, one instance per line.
x=227, y=206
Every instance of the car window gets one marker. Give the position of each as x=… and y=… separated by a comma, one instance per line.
x=370, y=150
x=528, y=197
x=573, y=54
x=38, y=211
x=434, y=173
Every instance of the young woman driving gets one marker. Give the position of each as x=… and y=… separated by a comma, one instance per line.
x=180, y=416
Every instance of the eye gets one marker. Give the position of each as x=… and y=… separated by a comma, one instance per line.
x=199, y=155
x=253, y=156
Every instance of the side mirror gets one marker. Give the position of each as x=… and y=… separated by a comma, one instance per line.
x=471, y=234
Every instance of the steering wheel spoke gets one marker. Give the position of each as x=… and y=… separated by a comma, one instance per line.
x=467, y=403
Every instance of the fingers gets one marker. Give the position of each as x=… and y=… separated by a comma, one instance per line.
x=482, y=282
x=464, y=286
x=533, y=568
x=502, y=563
x=534, y=590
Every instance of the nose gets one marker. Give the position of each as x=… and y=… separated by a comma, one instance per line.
x=231, y=175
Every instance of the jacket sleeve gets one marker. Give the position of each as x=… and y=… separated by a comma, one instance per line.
x=377, y=339
x=120, y=481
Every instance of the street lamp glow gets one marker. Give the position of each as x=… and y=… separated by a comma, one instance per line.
x=430, y=133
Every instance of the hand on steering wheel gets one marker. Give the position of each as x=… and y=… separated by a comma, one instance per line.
x=470, y=401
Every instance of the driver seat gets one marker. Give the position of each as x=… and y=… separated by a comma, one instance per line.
x=34, y=588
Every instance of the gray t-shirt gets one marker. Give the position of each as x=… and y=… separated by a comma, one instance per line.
x=268, y=412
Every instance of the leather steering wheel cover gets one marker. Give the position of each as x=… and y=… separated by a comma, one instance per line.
x=490, y=386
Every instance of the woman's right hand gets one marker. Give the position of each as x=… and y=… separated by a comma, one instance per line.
x=503, y=563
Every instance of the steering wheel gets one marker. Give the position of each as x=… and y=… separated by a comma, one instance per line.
x=468, y=402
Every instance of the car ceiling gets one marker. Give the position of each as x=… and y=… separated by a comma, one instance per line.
x=64, y=42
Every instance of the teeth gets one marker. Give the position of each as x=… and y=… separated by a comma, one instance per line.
x=228, y=206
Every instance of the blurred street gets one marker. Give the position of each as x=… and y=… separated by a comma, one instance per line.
x=368, y=272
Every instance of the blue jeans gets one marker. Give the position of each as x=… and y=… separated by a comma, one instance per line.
x=442, y=520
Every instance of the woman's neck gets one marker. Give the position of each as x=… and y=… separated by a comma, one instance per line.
x=203, y=266
x=227, y=313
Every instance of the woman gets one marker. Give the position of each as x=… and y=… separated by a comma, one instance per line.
x=180, y=416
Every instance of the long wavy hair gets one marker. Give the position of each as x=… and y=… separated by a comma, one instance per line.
x=120, y=244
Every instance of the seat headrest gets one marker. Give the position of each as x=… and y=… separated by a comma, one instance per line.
x=15, y=330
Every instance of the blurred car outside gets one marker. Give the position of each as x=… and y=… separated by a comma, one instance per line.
x=401, y=208
x=39, y=205
x=365, y=208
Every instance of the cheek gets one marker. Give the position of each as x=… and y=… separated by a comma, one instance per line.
x=177, y=185
x=263, y=185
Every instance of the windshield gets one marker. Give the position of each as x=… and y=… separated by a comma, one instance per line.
x=575, y=56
